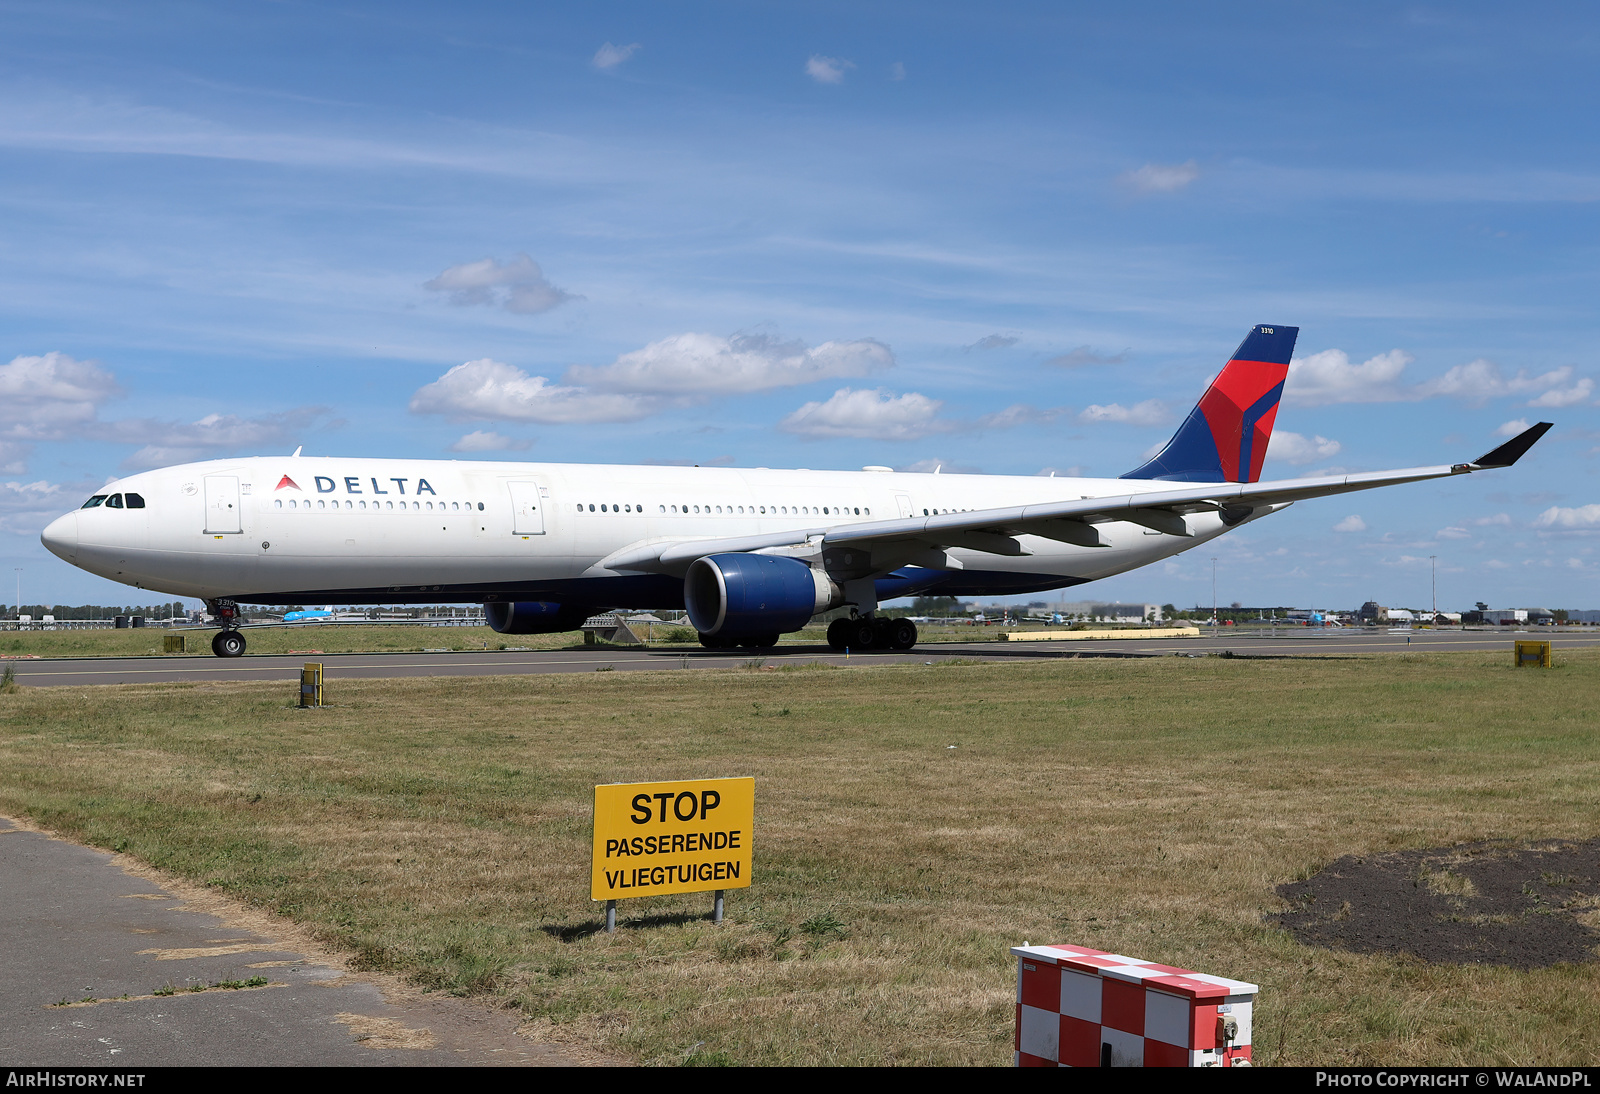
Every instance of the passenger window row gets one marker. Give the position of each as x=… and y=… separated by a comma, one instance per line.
x=416, y=506
x=733, y=510
x=115, y=501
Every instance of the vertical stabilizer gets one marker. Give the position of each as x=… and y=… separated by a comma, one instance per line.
x=1225, y=437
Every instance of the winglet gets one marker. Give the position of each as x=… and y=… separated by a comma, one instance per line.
x=1512, y=451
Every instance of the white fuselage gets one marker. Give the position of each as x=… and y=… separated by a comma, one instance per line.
x=305, y=529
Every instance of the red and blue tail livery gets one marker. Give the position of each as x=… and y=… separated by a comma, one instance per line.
x=1225, y=437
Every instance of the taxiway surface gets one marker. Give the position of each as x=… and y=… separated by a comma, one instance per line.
x=1295, y=642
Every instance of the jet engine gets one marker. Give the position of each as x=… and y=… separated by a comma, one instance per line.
x=738, y=595
x=533, y=617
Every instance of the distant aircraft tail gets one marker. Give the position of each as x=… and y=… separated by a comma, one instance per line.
x=1225, y=437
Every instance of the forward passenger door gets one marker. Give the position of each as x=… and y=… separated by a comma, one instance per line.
x=527, y=509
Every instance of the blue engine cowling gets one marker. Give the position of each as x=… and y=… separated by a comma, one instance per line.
x=746, y=595
x=533, y=617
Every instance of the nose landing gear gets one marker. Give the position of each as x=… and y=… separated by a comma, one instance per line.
x=227, y=642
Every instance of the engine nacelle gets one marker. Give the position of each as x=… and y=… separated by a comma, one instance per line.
x=740, y=595
x=533, y=617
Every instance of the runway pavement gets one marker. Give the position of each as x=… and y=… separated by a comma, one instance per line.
x=1289, y=642
x=101, y=967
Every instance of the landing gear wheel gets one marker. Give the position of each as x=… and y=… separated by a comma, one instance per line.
x=862, y=634
x=718, y=642
x=228, y=644
x=759, y=641
x=902, y=634
x=839, y=634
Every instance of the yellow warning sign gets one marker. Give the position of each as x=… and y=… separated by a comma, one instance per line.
x=651, y=839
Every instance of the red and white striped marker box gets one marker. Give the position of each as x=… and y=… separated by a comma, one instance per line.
x=1078, y=1007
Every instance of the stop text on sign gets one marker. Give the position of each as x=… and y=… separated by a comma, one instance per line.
x=651, y=839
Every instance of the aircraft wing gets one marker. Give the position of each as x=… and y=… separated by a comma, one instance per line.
x=994, y=531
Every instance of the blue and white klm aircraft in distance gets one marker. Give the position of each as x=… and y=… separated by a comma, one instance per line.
x=751, y=553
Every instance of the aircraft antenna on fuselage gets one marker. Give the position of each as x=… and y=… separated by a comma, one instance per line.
x=296, y=451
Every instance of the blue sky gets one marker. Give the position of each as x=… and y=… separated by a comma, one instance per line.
x=1007, y=239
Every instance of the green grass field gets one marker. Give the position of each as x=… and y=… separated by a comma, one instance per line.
x=381, y=638
x=912, y=823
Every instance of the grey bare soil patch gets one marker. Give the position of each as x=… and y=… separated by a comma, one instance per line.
x=1496, y=903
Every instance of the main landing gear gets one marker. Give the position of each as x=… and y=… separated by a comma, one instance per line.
x=872, y=633
x=227, y=642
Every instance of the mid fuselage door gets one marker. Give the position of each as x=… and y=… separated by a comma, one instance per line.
x=222, y=504
x=527, y=509
x=904, y=503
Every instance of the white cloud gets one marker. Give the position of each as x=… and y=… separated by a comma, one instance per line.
x=167, y=443
x=1020, y=414
x=14, y=457
x=935, y=465
x=897, y=71
x=1512, y=428
x=517, y=286
x=1453, y=533
x=1352, y=523
x=1575, y=563
x=26, y=507
x=871, y=413
x=494, y=391
x=1149, y=412
x=1481, y=380
x=1584, y=516
x=688, y=364
x=1329, y=377
x=1296, y=449
x=995, y=341
x=827, y=70
x=1501, y=519
x=1083, y=355
x=1160, y=178
x=1568, y=396
x=480, y=441
x=609, y=56
x=49, y=396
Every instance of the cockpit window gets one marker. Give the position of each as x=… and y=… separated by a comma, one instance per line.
x=135, y=501
x=114, y=501
x=98, y=499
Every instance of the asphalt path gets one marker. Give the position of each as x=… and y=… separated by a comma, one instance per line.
x=1288, y=642
x=106, y=968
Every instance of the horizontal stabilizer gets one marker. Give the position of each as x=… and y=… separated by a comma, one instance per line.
x=1512, y=451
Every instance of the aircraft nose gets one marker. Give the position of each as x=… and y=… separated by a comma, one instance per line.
x=61, y=537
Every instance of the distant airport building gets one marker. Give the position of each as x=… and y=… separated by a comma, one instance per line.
x=1101, y=612
x=1506, y=617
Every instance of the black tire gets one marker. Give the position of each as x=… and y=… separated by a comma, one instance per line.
x=764, y=641
x=228, y=644
x=902, y=634
x=862, y=634
x=710, y=641
x=838, y=634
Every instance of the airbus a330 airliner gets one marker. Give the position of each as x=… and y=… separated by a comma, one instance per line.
x=751, y=553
